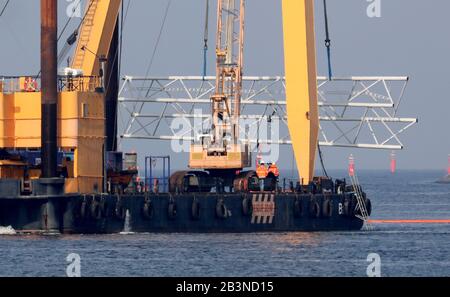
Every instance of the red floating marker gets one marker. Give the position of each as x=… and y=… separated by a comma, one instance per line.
x=394, y=163
x=351, y=166
x=448, y=169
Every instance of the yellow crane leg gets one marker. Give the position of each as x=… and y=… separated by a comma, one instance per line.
x=95, y=35
x=301, y=83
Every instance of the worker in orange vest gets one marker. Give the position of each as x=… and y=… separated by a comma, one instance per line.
x=273, y=168
x=261, y=171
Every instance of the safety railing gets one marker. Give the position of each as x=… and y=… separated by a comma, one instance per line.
x=157, y=174
x=14, y=84
x=80, y=84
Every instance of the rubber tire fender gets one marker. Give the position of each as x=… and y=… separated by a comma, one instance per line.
x=96, y=212
x=314, y=208
x=172, y=210
x=147, y=209
x=104, y=207
x=347, y=207
x=195, y=209
x=298, y=207
x=120, y=211
x=247, y=206
x=327, y=207
x=221, y=209
x=83, y=209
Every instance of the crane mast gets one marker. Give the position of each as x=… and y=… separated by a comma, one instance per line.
x=222, y=150
x=229, y=57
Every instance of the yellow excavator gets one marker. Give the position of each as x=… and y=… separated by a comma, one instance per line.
x=221, y=155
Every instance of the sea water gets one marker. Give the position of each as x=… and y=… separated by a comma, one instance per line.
x=404, y=250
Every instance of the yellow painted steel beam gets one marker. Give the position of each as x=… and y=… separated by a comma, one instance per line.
x=95, y=35
x=301, y=83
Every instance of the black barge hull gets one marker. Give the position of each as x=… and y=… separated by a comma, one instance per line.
x=184, y=213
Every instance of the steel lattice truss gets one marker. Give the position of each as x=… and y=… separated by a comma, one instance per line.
x=356, y=112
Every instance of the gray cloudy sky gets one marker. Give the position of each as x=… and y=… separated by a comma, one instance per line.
x=411, y=38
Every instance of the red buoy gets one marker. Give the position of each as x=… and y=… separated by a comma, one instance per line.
x=393, y=163
x=448, y=169
x=351, y=165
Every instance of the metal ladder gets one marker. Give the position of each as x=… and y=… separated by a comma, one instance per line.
x=361, y=205
x=85, y=34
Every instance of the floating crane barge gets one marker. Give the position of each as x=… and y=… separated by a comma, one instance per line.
x=60, y=170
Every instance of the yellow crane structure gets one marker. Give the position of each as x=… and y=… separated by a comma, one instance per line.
x=223, y=150
x=80, y=109
x=95, y=35
x=301, y=83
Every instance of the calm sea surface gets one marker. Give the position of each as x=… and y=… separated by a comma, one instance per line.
x=405, y=250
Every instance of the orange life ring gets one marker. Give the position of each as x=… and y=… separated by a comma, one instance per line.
x=30, y=85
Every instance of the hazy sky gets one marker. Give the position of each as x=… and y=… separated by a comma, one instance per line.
x=411, y=38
